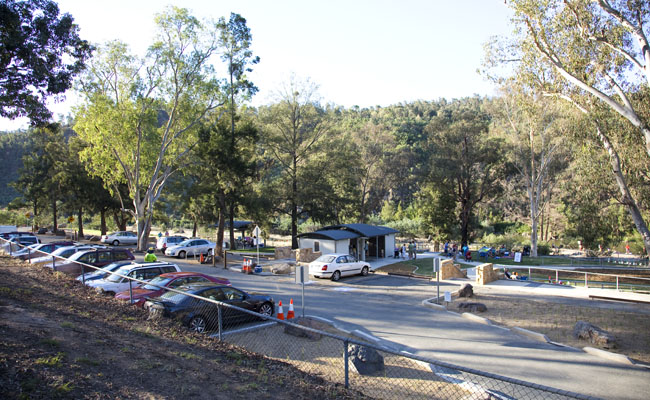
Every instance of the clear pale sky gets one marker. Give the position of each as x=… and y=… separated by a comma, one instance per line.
x=359, y=52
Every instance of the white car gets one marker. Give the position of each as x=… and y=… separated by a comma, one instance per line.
x=120, y=237
x=164, y=242
x=145, y=272
x=334, y=266
x=190, y=247
x=62, y=252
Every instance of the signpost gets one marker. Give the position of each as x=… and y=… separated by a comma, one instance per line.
x=300, y=278
x=518, y=257
x=256, y=234
x=436, y=269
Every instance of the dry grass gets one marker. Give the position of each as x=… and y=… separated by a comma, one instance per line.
x=557, y=319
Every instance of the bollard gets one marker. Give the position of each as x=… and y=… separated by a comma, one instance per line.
x=586, y=287
x=225, y=260
x=556, y=276
x=130, y=291
x=53, y=263
x=617, y=283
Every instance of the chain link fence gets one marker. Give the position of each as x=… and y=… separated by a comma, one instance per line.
x=315, y=347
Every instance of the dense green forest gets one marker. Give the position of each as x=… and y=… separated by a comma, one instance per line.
x=561, y=155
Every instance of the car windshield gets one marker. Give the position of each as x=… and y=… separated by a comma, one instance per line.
x=117, y=278
x=157, y=282
x=325, y=258
x=110, y=267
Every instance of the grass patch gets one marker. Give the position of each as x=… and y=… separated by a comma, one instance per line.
x=67, y=324
x=87, y=361
x=50, y=342
x=54, y=361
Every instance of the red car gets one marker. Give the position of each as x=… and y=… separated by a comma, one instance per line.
x=170, y=280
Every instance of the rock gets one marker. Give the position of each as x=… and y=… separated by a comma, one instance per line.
x=281, y=269
x=466, y=290
x=586, y=331
x=365, y=360
x=294, y=331
x=472, y=307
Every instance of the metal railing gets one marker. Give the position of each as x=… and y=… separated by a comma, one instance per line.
x=318, y=349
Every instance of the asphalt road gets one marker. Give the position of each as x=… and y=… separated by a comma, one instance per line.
x=389, y=308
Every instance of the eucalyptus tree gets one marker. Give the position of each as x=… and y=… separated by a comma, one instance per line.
x=292, y=129
x=466, y=161
x=533, y=129
x=140, y=116
x=589, y=52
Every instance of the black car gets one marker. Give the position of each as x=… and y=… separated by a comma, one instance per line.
x=200, y=315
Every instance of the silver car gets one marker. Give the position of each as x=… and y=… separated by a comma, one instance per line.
x=190, y=247
x=335, y=266
x=120, y=237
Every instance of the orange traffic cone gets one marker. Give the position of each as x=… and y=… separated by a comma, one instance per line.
x=201, y=259
x=290, y=313
x=280, y=312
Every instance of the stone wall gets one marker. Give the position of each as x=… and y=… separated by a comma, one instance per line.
x=448, y=270
x=306, y=255
x=486, y=274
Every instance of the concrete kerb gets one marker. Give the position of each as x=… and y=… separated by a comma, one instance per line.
x=620, y=358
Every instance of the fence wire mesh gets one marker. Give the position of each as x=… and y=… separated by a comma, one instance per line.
x=315, y=347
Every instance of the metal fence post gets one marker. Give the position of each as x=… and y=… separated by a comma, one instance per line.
x=557, y=272
x=225, y=259
x=53, y=263
x=617, y=283
x=130, y=291
x=347, y=367
x=586, y=281
x=28, y=253
x=220, y=321
x=83, y=278
x=530, y=276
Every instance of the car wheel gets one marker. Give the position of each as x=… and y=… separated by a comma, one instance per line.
x=266, y=309
x=209, y=252
x=336, y=276
x=181, y=254
x=116, y=243
x=198, y=324
x=364, y=271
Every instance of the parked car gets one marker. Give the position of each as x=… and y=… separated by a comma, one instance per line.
x=114, y=283
x=17, y=243
x=335, y=266
x=120, y=237
x=104, y=272
x=41, y=249
x=95, y=257
x=164, y=242
x=63, y=252
x=190, y=247
x=42, y=231
x=202, y=316
x=9, y=235
x=156, y=287
x=25, y=250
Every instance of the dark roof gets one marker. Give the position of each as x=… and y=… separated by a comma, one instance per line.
x=349, y=231
x=331, y=235
x=363, y=229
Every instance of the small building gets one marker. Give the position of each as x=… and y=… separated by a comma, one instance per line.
x=361, y=240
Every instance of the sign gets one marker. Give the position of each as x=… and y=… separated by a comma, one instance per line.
x=300, y=274
x=257, y=231
x=518, y=257
x=71, y=219
x=448, y=297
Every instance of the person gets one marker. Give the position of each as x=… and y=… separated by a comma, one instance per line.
x=468, y=255
x=403, y=251
x=627, y=248
x=159, y=234
x=150, y=257
x=166, y=233
x=446, y=252
x=507, y=274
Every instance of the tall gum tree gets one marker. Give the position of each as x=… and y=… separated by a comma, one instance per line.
x=140, y=116
x=584, y=50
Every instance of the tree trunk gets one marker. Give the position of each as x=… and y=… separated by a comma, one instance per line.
x=80, y=222
x=294, y=206
x=231, y=218
x=102, y=223
x=194, y=226
x=120, y=220
x=222, y=216
x=55, y=227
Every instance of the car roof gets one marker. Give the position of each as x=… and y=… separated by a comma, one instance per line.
x=150, y=264
x=203, y=285
x=181, y=273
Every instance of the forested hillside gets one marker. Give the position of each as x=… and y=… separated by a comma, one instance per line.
x=12, y=147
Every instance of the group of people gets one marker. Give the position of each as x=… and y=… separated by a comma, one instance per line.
x=410, y=247
x=451, y=250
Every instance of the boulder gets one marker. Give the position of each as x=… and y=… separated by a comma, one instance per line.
x=586, y=331
x=295, y=331
x=281, y=269
x=365, y=360
x=472, y=307
x=466, y=290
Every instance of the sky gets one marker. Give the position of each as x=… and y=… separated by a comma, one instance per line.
x=359, y=52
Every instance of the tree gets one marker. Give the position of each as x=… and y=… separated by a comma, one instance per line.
x=465, y=160
x=40, y=54
x=292, y=129
x=142, y=115
x=579, y=51
x=532, y=128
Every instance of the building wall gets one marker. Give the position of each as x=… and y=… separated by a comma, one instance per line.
x=325, y=246
x=390, y=245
